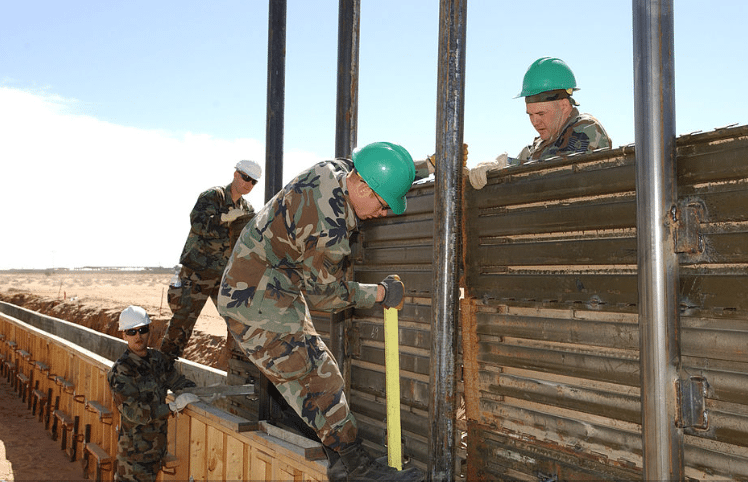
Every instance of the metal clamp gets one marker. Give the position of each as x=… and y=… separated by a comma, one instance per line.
x=692, y=411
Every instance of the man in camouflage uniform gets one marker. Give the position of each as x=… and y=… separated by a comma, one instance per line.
x=218, y=217
x=139, y=380
x=547, y=88
x=294, y=254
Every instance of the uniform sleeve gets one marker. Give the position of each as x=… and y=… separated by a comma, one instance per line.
x=326, y=260
x=176, y=381
x=127, y=398
x=205, y=217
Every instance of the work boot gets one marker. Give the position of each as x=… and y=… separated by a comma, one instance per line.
x=335, y=468
x=355, y=464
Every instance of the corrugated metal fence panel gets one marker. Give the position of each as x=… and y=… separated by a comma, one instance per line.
x=553, y=331
x=395, y=245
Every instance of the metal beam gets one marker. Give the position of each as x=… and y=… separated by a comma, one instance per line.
x=656, y=200
x=447, y=239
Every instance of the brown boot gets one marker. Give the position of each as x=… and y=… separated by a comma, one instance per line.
x=355, y=464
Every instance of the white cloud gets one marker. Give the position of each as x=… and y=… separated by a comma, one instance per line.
x=77, y=191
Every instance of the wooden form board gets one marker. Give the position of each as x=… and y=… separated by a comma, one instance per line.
x=209, y=444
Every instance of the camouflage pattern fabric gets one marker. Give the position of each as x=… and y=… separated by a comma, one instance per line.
x=203, y=259
x=208, y=244
x=139, y=387
x=186, y=303
x=293, y=252
x=581, y=133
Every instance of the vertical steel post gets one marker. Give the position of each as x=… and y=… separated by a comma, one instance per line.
x=656, y=196
x=346, y=132
x=447, y=239
x=346, y=112
x=274, y=136
x=275, y=97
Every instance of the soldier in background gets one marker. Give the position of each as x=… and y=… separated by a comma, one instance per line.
x=217, y=219
x=294, y=255
x=139, y=380
x=547, y=88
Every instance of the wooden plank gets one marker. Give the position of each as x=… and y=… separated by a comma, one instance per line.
x=198, y=452
x=102, y=457
x=215, y=445
x=220, y=391
x=182, y=447
x=105, y=415
x=262, y=466
x=215, y=416
x=312, y=450
x=235, y=456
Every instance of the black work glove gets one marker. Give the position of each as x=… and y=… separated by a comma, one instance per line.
x=394, y=290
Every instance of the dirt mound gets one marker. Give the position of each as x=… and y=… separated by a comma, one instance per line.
x=203, y=348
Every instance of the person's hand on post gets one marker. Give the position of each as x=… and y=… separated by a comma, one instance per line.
x=231, y=215
x=394, y=292
x=182, y=401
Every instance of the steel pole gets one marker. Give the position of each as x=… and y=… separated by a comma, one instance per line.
x=656, y=197
x=346, y=131
x=275, y=97
x=274, y=140
x=346, y=112
x=447, y=239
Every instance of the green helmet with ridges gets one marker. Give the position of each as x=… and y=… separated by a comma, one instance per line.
x=547, y=73
x=389, y=170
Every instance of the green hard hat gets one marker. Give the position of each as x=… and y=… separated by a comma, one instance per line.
x=547, y=73
x=389, y=170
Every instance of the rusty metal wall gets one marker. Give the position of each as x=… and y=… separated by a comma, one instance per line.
x=550, y=322
x=395, y=245
x=550, y=319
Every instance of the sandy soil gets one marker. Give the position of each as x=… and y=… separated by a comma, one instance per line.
x=26, y=450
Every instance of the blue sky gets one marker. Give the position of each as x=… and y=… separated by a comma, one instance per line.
x=114, y=116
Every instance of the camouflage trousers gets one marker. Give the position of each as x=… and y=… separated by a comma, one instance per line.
x=305, y=372
x=139, y=460
x=186, y=303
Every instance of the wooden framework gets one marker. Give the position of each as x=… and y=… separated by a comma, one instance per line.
x=67, y=386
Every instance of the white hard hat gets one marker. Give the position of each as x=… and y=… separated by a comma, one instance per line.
x=250, y=168
x=133, y=317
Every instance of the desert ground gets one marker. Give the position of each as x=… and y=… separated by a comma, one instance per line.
x=93, y=299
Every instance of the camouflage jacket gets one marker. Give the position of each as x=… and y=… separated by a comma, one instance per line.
x=210, y=241
x=581, y=133
x=299, y=242
x=139, y=387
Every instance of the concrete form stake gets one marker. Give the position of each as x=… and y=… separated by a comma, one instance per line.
x=392, y=377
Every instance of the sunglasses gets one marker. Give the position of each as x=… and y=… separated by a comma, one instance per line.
x=247, y=178
x=142, y=330
x=379, y=200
